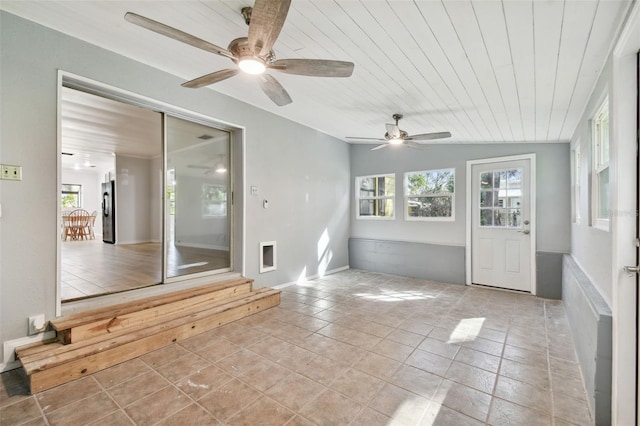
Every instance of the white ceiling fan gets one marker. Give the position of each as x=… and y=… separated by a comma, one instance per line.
x=253, y=54
x=396, y=136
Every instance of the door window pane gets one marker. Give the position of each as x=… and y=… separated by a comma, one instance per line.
x=500, y=198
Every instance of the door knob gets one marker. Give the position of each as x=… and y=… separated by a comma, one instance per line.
x=525, y=232
x=632, y=269
x=526, y=222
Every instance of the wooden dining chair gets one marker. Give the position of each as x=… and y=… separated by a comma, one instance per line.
x=92, y=224
x=78, y=224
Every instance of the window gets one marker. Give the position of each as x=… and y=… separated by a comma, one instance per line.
x=576, y=184
x=428, y=195
x=600, y=159
x=501, y=198
x=71, y=196
x=375, y=196
x=214, y=200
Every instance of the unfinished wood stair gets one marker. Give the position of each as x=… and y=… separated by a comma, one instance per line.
x=95, y=340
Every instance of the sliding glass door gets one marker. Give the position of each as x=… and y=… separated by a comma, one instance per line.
x=197, y=199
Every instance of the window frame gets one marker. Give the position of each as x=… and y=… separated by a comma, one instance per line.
x=407, y=196
x=575, y=182
x=600, y=147
x=78, y=193
x=358, y=197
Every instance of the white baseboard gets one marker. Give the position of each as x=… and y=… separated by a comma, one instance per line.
x=311, y=277
x=203, y=246
x=9, y=348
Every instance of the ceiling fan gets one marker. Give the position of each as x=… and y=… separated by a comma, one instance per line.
x=253, y=54
x=397, y=136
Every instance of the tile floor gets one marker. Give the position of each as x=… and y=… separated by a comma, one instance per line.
x=354, y=348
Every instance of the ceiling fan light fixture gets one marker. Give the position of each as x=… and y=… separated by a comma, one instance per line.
x=252, y=66
x=396, y=141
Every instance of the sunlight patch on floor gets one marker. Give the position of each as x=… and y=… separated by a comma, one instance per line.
x=467, y=330
x=394, y=295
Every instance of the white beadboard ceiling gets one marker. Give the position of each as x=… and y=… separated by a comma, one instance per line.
x=485, y=70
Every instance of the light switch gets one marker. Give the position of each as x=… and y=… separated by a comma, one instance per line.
x=254, y=190
x=11, y=172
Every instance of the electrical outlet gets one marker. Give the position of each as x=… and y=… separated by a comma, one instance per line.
x=37, y=324
x=11, y=172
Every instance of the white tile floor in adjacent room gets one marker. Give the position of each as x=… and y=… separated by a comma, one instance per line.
x=353, y=348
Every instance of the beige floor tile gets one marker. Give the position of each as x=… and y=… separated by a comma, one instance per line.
x=478, y=359
x=524, y=394
x=191, y=415
x=440, y=415
x=357, y=386
x=524, y=373
x=439, y=347
x=323, y=370
x=300, y=421
x=229, y=399
x=203, y=382
x=163, y=355
x=115, y=418
x=121, y=372
x=157, y=406
x=20, y=412
x=474, y=377
x=137, y=388
x=417, y=381
x=405, y=337
x=463, y=399
x=393, y=350
x=60, y=396
x=264, y=411
x=507, y=413
x=83, y=411
x=536, y=359
x=182, y=367
x=430, y=362
x=218, y=350
x=370, y=417
x=295, y=391
x=572, y=410
x=331, y=408
x=377, y=365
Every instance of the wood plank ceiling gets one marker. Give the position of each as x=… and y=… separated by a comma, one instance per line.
x=485, y=70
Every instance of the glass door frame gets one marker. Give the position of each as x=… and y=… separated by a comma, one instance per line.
x=165, y=205
x=236, y=132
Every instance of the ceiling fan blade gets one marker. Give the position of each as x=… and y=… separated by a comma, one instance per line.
x=384, y=145
x=176, y=34
x=429, y=136
x=393, y=131
x=356, y=138
x=208, y=79
x=274, y=90
x=314, y=67
x=267, y=19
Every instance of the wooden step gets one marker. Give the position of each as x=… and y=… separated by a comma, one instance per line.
x=87, y=325
x=53, y=364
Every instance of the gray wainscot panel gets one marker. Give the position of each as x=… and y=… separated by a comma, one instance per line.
x=418, y=260
x=590, y=322
x=549, y=275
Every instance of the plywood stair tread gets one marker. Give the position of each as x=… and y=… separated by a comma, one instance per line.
x=108, y=312
x=50, y=364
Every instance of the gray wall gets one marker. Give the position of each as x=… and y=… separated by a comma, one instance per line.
x=133, y=200
x=553, y=209
x=591, y=247
x=304, y=174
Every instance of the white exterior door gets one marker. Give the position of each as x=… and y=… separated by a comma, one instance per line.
x=502, y=224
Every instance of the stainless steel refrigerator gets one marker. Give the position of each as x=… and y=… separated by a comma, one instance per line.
x=109, y=212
